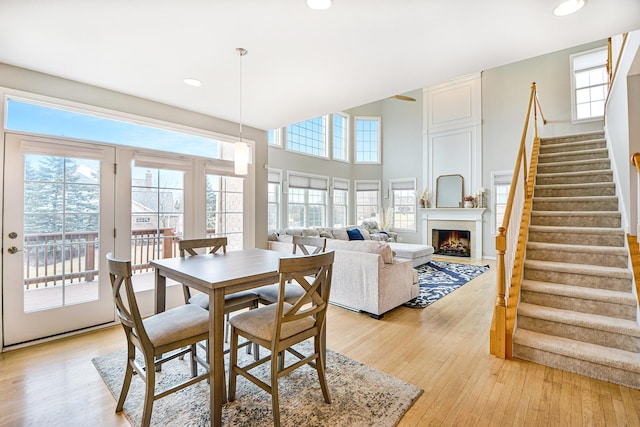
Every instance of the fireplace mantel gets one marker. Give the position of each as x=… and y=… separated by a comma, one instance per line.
x=454, y=218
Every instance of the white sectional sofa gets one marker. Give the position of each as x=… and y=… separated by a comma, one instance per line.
x=366, y=277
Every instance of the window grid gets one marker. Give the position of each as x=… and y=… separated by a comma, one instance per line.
x=224, y=210
x=273, y=206
x=367, y=140
x=340, y=208
x=274, y=137
x=591, y=89
x=404, y=209
x=367, y=205
x=308, y=137
x=307, y=208
x=340, y=137
x=501, y=192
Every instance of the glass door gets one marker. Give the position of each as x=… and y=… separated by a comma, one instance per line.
x=58, y=223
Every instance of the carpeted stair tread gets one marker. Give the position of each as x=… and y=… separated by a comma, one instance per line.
x=546, y=148
x=567, y=163
x=574, y=199
x=585, y=320
x=561, y=139
x=595, y=294
x=595, y=153
x=594, y=353
x=576, y=230
x=615, y=214
x=591, y=270
x=574, y=186
x=571, y=247
x=574, y=173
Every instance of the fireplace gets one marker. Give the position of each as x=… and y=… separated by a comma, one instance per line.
x=451, y=242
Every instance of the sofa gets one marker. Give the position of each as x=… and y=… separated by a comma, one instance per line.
x=366, y=276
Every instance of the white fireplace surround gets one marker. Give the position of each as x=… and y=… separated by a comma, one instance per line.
x=456, y=219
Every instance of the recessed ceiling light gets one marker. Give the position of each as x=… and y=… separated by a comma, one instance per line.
x=193, y=82
x=567, y=7
x=319, y=4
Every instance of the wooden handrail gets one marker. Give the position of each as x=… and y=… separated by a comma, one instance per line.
x=510, y=243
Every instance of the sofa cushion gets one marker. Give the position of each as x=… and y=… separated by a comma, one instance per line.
x=326, y=234
x=355, y=234
x=370, y=246
x=310, y=232
x=340, y=234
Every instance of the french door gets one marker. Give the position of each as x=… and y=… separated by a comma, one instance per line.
x=58, y=224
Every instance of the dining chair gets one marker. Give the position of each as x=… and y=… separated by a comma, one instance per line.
x=281, y=325
x=305, y=245
x=232, y=302
x=179, y=328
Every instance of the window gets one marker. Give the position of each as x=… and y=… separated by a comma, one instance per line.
x=340, y=138
x=30, y=116
x=224, y=213
x=274, y=137
x=367, y=139
x=273, y=200
x=340, y=202
x=589, y=84
x=309, y=137
x=307, y=201
x=157, y=213
x=367, y=200
x=501, y=183
x=403, y=197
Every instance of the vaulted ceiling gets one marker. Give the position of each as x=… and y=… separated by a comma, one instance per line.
x=301, y=63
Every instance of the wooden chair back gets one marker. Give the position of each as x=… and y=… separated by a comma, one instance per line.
x=303, y=243
x=315, y=300
x=215, y=243
x=127, y=306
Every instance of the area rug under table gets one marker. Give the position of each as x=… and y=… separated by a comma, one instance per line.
x=361, y=395
x=438, y=278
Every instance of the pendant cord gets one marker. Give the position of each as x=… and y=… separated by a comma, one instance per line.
x=242, y=52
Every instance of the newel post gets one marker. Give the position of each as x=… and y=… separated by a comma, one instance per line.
x=500, y=309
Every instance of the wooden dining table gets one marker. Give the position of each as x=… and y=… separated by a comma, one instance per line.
x=217, y=275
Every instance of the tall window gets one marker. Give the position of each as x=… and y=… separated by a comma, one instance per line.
x=273, y=200
x=589, y=84
x=157, y=214
x=225, y=209
x=403, y=197
x=367, y=200
x=340, y=138
x=367, y=139
x=274, y=137
x=307, y=206
x=501, y=183
x=340, y=202
x=309, y=137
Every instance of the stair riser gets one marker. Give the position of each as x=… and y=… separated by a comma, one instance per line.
x=589, y=369
x=587, y=258
x=575, y=179
x=601, y=308
x=575, y=279
x=573, y=157
x=559, y=148
x=576, y=167
x=596, y=136
x=580, y=333
x=575, y=192
x=577, y=205
x=582, y=221
x=616, y=240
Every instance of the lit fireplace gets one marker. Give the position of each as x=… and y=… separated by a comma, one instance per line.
x=451, y=242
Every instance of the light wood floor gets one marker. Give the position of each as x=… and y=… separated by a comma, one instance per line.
x=442, y=349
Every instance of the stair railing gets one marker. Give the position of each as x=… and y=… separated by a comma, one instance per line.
x=511, y=240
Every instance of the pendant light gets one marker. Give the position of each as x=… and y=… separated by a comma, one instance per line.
x=241, y=148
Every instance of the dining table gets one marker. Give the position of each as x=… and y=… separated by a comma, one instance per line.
x=217, y=275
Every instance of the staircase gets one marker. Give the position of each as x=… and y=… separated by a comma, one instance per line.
x=577, y=309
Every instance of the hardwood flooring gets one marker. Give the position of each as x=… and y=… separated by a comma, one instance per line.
x=444, y=349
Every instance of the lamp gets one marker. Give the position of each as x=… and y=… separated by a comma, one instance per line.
x=319, y=4
x=241, y=148
x=567, y=7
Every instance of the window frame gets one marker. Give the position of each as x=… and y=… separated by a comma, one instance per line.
x=345, y=136
x=356, y=190
x=356, y=141
x=314, y=183
x=498, y=178
x=411, y=185
x=271, y=180
x=338, y=185
x=276, y=141
x=574, y=70
x=325, y=142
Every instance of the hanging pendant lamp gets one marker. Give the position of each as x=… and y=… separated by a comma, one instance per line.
x=241, y=148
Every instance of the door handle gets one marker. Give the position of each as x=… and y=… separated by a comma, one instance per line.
x=13, y=250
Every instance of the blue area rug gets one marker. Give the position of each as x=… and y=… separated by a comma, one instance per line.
x=437, y=279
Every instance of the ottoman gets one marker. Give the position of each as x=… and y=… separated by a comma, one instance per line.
x=418, y=254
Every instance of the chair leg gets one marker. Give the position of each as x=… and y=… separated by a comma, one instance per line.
x=149, y=391
x=233, y=360
x=320, y=368
x=128, y=374
x=275, y=405
x=194, y=362
x=226, y=328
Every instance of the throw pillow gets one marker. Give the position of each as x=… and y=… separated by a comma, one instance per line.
x=326, y=234
x=355, y=234
x=340, y=234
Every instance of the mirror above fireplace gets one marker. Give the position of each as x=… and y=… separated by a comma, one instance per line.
x=449, y=190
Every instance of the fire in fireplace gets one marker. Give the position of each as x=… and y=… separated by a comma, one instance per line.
x=451, y=242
